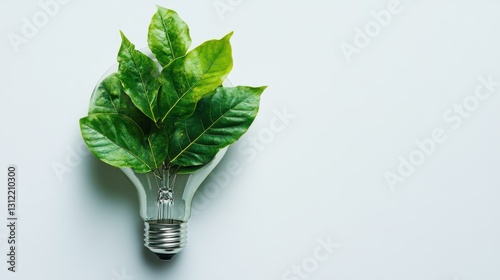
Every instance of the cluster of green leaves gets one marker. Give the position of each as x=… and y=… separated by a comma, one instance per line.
x=170, y=110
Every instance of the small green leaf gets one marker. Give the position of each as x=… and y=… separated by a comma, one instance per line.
x=168, y=36
x=109, y=97
x=117, y=140
x=218, y=121
x=158, y=142
x=139, y=76
x=187, y=79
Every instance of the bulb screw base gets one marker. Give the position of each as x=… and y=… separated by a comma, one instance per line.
x=165, y=238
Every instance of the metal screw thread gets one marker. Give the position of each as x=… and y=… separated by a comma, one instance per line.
x=165, y=237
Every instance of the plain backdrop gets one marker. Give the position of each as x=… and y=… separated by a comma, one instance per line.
x=375, y=154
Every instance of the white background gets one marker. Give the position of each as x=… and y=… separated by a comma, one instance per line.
x=316, y=175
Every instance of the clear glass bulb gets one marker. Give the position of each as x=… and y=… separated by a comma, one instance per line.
x=165, y=205
x=165, y=199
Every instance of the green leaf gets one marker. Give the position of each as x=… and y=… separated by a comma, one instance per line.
x=109, y=97
x=188, y=169
x=219, y=120
x=158, y=143
x=139, y=76
x=168, y=36
x=117, y=140
x=187, y=79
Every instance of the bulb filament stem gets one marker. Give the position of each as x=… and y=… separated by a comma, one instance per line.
x=165, y=181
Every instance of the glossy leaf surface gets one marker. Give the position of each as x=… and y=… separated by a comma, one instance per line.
x=219, y=120
x=168, y=36
x=186, y=80
x=158, y=142
x=117, y=140
x=139, y=76
x=109, y=97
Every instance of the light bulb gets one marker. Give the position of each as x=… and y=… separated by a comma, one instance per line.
x=165, y=199
x=165, y=205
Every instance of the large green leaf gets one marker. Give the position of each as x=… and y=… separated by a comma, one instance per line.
x=187, y=79
x=168, y=36
x=109, y=97
x=139, y=76
x=117, y=140
x=218, y=121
